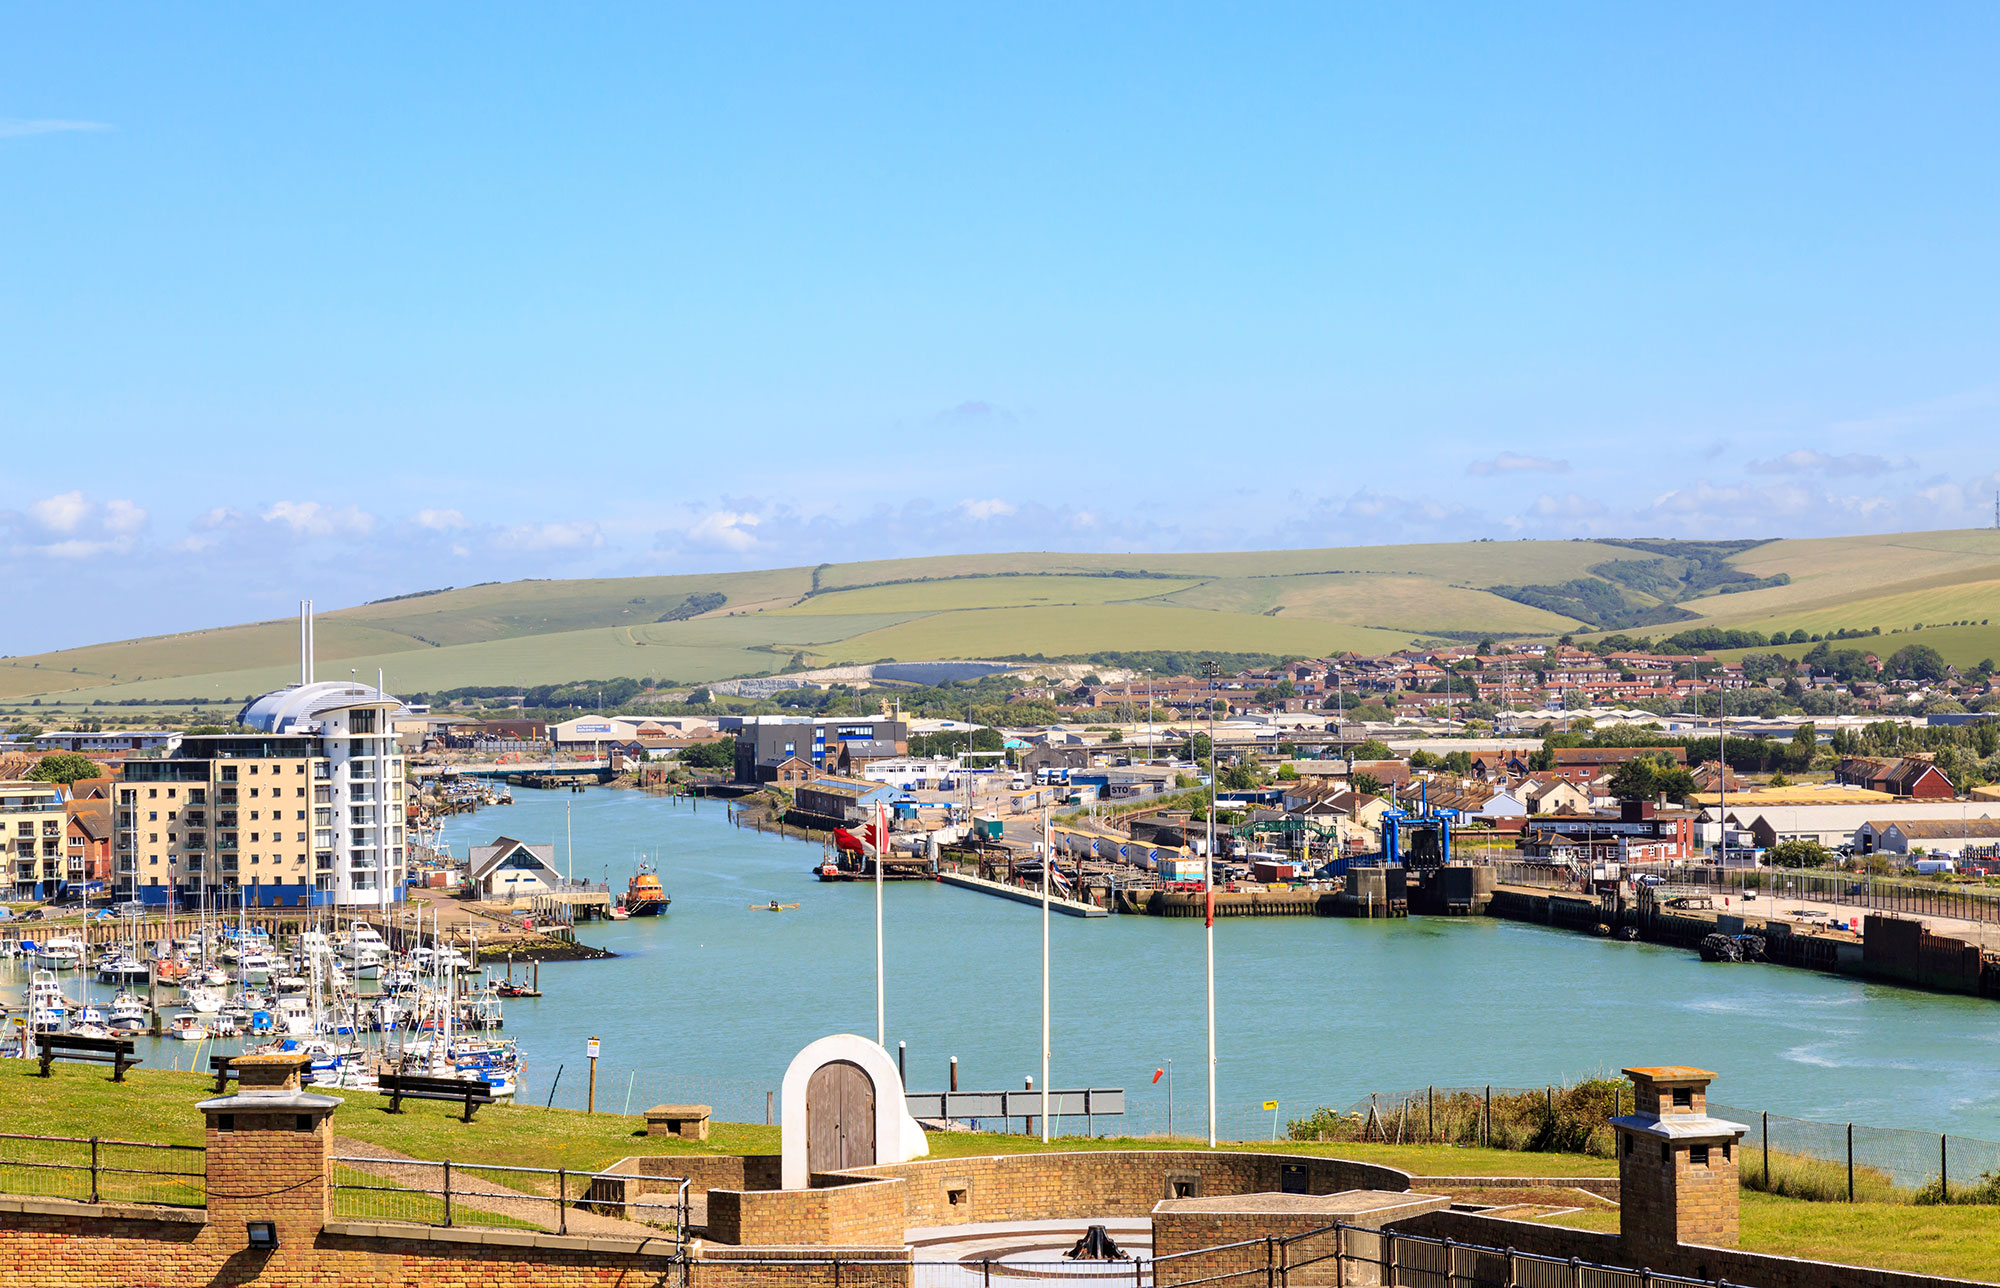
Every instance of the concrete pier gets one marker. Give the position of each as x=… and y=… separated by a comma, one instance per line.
x=1067, y=907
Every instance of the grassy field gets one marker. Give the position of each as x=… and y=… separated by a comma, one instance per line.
x=1061, y=630
x=1370, y=598
x=1024, y=591
x=1402, y=601
x=159, y=1106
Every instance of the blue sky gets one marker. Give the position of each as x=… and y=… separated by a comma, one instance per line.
x=346, y=301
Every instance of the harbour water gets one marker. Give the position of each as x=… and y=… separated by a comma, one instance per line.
x=1311, y=1011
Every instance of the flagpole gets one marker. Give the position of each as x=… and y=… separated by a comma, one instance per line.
x=1208, y=892
x=881, y=1013
x=1048, y=867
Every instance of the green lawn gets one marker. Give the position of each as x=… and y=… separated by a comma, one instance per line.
x=155, y=1105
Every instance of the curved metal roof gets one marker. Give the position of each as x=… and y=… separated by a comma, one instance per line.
x=283, y=710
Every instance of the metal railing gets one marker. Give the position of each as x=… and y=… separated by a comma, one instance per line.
x=557, y=1200
x=1331, y=1256
x=98, y=1169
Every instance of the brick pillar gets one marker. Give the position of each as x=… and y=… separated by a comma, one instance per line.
x=267, y=1156
x=1676, y=1165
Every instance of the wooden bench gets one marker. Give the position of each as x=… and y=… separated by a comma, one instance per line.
x=116, y=1052
x=224, y=1068
x=400, y=1086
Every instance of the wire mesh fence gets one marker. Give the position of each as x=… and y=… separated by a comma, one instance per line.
x=93, y=1169
x=1829, y=1160
x=444, y=1193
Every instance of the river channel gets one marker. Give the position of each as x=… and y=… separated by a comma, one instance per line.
x=1310, y=1011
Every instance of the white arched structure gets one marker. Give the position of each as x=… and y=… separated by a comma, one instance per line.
x=898, y=1138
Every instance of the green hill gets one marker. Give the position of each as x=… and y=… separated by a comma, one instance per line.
x=712, y=626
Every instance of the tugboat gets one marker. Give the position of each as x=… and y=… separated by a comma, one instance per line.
x=644, y=896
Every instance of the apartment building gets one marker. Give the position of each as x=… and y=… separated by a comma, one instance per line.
x=765, y=742
x=32, y=823
x=307, y=810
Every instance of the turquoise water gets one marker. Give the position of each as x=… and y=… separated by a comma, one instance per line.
x=713, y=999
x=1310, y=1011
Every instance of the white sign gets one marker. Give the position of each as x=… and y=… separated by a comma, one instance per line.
x=593, y=1048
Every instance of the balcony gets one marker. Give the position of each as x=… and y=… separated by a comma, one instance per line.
x=195, y=818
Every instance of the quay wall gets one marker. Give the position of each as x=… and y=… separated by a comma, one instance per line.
x=1896, y=949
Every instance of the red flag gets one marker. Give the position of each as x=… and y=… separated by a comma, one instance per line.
x=1159, y=1074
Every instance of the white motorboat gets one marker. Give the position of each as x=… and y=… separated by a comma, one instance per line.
x=119, y=966
x=256, y=965
x=44, y=998
x=128, y=1013
x=201, y=998
x=188, y=1027
x=293, y=1017
x=289, y=985
x=60, y=952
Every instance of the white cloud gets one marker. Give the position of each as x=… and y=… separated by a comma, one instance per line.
x=64, y=512
x=550, y=536
x=440, y=520
x=725, y=530
x=123, y=517
x=313, y=520
x=1807, y=461
x=1567, y=506
x=1517, y=463
x=17, y=128
x=219, y=517
x=992, y=508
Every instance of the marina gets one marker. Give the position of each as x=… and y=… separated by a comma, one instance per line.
x=1320, y=1011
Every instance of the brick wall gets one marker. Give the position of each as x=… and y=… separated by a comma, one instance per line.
x=715, y=1267
x=265, y=1169
x=868, y=1214
x=1104, y=1183
x=77, y=1245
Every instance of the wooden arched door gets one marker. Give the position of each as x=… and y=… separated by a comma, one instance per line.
x=840, y=1118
